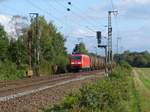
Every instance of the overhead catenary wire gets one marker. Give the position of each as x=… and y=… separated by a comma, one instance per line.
x=51, y=5
x=74, y=13
x=37, y=7
x=9, y=8
x=65, y=16
x=65, y=7
x=41, y=9
x=89, y=19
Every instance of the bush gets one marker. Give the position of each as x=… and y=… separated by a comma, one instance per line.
x=108, y=95
x=45, y=67
x=9, y=71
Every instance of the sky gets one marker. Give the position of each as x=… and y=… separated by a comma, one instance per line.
x=131, y=24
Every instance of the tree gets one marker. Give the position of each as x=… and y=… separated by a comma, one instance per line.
x=4, y=43
x=140, y=61
x=52, y=44
x=136, y=59
x=52, y=50
x=18, y=53
x=80, y=49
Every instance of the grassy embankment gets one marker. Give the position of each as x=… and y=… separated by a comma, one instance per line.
x=114, y=94
x=142, y=84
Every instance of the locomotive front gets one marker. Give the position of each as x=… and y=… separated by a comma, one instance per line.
x=79, y=62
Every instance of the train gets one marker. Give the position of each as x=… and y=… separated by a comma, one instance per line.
x=80, y=62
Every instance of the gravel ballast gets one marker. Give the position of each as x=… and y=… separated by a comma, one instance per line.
x=36, y=101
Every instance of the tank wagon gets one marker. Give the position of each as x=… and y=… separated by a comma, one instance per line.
x=86, y=62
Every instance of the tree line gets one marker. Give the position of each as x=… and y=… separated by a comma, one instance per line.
x=14, y=51
x=135, y=59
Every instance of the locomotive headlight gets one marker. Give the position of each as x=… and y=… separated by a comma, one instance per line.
x=79, y=62
x=72, y=63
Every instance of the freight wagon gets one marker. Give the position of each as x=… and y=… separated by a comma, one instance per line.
x=86, y=62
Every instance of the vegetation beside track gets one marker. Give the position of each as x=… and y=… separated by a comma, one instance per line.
x=14, y=51
x=112, y=94
x=9, y=71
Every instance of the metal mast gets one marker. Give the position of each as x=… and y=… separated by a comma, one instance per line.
x=37, y=43
x=109, y=38
x=110, y=53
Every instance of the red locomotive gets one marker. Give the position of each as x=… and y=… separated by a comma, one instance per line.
x=82, y=61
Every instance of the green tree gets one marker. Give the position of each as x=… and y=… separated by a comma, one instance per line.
x=80, y=49
x=53, y=51
x=136, y=59
x=4, y=43
x=140, y=61
x=18, y=51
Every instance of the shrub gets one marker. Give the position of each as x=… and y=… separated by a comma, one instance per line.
x=108, y=95
x=9, y=71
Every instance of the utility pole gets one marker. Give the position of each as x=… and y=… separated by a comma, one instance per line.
x=109, y=37
x=36, y=65
x=30, y=70
x=110, y=53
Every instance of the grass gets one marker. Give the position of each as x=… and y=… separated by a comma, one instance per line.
x=142, y=85
x=134, y=98
x=145, y=76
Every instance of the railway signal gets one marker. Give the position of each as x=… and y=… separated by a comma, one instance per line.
x=99, y=37
x=99, y=40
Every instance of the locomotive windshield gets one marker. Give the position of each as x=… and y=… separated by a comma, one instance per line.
x=76, y=58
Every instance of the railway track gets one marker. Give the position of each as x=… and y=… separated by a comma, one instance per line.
x=28, y=86
x=4, y=84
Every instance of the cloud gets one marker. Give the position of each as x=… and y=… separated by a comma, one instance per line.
x=5, y=21
x=9, y=25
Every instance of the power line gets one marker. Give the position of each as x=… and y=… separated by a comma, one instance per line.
x=90, y=29
x=90, y=20
x=51, y=5
x=10, y=9
x=62, y=5
x=73, y=12
x=36, y=6
x=44, y=10
x=48, y=13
